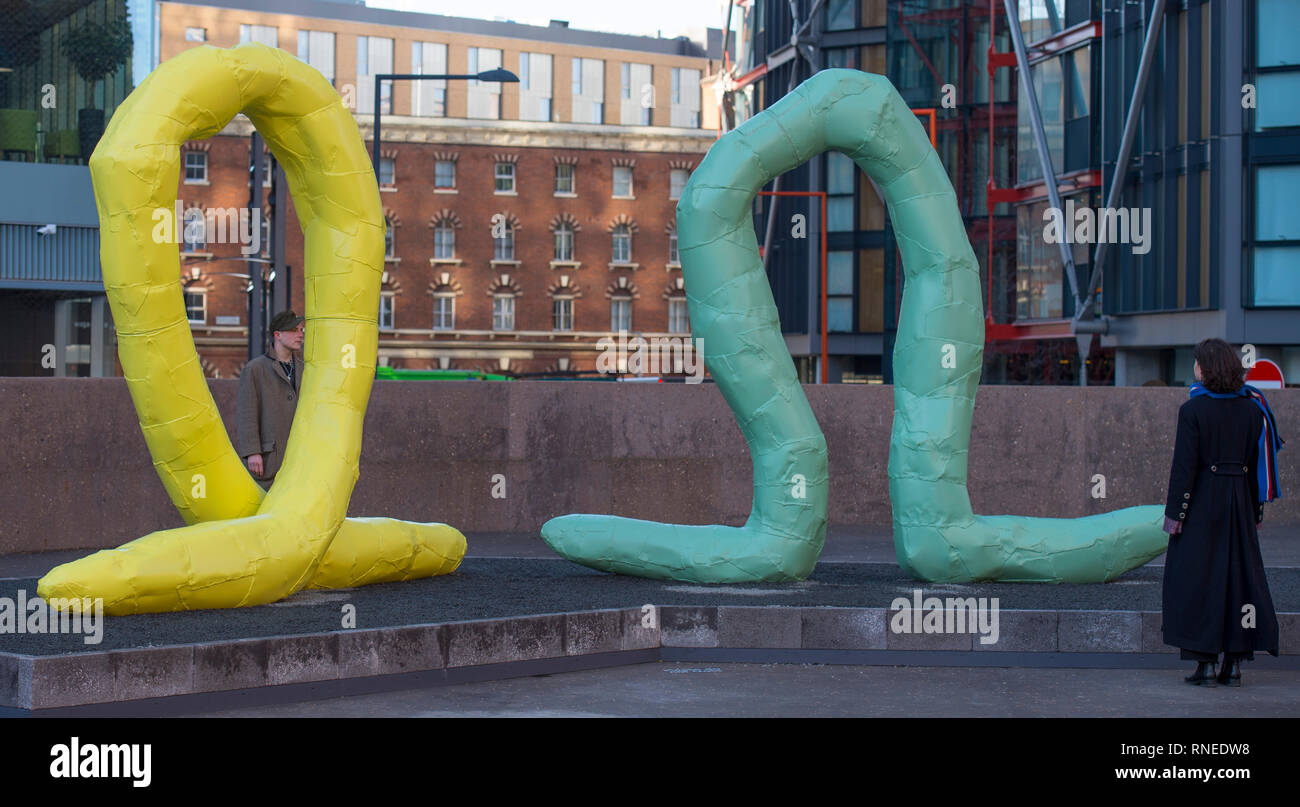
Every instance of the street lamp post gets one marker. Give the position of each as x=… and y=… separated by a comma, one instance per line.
x=503, y=76
x=256, y=313
x=256, y=290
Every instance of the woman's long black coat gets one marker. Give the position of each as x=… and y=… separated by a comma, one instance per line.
x=1213, y=567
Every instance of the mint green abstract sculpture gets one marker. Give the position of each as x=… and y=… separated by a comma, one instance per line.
x=937, y=360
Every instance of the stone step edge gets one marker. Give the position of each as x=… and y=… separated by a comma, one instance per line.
x=75, y=679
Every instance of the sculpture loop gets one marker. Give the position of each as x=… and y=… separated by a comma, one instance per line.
x=244, y=546
x=938, y=356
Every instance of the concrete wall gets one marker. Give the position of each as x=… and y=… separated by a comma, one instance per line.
x=76, y=473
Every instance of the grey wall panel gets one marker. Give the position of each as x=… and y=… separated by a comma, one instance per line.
x=70, y=255
x=47, y=193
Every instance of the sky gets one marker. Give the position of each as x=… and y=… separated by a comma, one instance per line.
x=671, y=17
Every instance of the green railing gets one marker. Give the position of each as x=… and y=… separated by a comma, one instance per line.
x=389, y=373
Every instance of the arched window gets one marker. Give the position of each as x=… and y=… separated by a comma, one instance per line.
x=195, y=230
x=564, y=242
x=622, y=235
x=444, y=240
x=503, y=245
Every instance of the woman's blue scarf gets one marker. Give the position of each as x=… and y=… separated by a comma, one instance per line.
x=1269, y=441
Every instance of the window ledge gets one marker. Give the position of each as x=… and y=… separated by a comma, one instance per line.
x=505, y=193
x=445, y=190
x=633, y=198
x=444, y=261
x=388, y=189
x=617, y=265
x=565, y=195
x=671, y=266
x=197, y=182
x=388, y=259
x=495, y=264
x=566, y=264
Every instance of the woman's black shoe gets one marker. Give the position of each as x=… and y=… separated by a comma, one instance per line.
x=1230, y=674
x=1204, y=675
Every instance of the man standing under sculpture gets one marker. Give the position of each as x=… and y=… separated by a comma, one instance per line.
x=268, y=396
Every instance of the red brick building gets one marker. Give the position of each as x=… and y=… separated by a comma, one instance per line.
x=520, y=235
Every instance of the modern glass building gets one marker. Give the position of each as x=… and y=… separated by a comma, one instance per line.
x=60, y=81
x=936, y=56
x=1200, y=239
x=1215, y=143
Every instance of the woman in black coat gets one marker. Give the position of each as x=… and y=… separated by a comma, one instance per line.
x=1216, y=597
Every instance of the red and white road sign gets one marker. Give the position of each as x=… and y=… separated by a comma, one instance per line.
x=1265, y=375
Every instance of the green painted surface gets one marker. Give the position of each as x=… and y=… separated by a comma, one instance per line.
x=937, y=360
x=441, y=375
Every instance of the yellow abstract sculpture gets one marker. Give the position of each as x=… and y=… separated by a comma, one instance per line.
x=243, y=546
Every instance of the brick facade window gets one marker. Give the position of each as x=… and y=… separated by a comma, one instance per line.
x=503, y=246
x=503, y=312
x=564, y=242
x=444, y=311
x=677, y=182
x=564, y=179
x=622, y=182
x=194, y=228
x=196, y=167
x=622, y=241
x=444, y=240
x=620, y=314
x=444, y=174
x=678, y=322
x=387, y=301
x=504, y=178
x=562, y=307
x=196, y=306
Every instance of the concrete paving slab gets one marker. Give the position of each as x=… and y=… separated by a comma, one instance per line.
x=678, y=689
x=493, y=588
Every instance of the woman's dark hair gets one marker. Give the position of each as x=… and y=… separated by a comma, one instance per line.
x=1221, y=368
